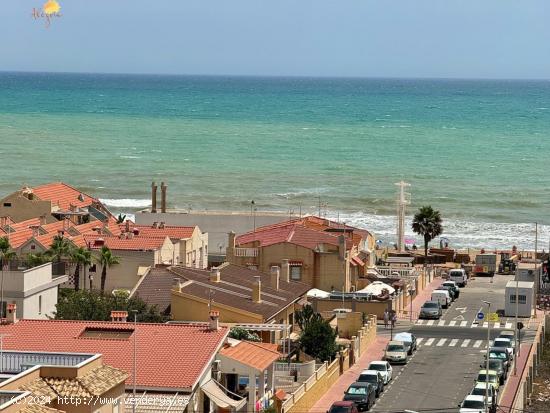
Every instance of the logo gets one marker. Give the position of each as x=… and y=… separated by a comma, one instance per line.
x=49, y=11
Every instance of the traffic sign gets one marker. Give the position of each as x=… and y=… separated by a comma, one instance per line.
x=493, y=317
x=519, y=325
x=480, y=316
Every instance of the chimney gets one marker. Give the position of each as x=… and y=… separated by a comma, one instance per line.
x=257, y=289
x=119, y=316
x=12, y=314
x=275, y=276
x=66, y=224
x=231, y=240
x=43, y=219
x=215, y=275
x=163, y=197
x=153, y=198
x=285, y=270
x=177, y=284
x=342, y=247
x=35, y=231
x=127, y=226
x=161, y=225
x=214, y=320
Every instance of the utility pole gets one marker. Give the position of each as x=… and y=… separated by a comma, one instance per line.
x=536, y=272
x=403, y=199
x=135, y=362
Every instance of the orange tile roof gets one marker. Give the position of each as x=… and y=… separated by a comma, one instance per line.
x=168, y=355
x=128, y=244
x=88, y=227
x=55, y=227
x=63, y=195
x=25, y=224
x=19, y=238
x=170, y=231
x=46, y=240
x=113, y=228
x=251, y=354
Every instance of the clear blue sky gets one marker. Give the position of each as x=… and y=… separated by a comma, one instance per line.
x=380, y=38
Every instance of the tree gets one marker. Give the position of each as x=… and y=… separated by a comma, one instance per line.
x=318, y=339
x=5, y=256
x=427, y=223
x=81, y=257
x=95, y=306
x=239, y=333
x=34, y=260
x=120, y=219
x=59, y=249
x=305, y=316
x=107, y=260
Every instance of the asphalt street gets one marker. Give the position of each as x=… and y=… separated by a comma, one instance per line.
x=442, y=371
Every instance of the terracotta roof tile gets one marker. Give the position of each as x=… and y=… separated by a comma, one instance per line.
x=63, y=195
x=168, y=355
x=19, y=238
x=128, y=244
x=18, y=226
x=88, y=227
x=55, y=227
x=175, y=232
x=251, y=354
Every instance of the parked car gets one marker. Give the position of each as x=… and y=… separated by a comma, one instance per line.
x=511, y=334
x=504, y=343
x=459, y=276
x=500, y=354
x=410, y=341
x=363, y=394
x=453, y=287
x=493, y=378
x=375, y=378
x=384, y=368
x=431, y=309
x=499, y=366
x=396, y=352
x=343, y=407
x=442, y=297
x=472, y=404
x=480, y=389
x=450, y=290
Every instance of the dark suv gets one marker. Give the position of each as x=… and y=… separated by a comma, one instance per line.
x=343, y=407
x=363, y=394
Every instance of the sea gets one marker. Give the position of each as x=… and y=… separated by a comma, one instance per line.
x=476, y=150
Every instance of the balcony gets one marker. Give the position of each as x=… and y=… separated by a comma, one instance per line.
x=246, y=252
x=14, y=362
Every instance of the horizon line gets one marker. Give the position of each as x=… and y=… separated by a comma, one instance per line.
x=273, y=76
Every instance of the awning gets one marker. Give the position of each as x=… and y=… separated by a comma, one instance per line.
x=358, y=261
x=216, y=393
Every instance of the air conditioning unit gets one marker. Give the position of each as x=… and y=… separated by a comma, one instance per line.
x=216, y=372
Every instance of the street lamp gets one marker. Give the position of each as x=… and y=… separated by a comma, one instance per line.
x=487, y=354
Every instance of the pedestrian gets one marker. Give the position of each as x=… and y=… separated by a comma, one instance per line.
x=393, y=319
x=386, y=318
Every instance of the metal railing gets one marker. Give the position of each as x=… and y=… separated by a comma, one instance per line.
x=16, y=362
x=246, y=252
x=397, y=271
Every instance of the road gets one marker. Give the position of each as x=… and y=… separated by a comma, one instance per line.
x=450, y=351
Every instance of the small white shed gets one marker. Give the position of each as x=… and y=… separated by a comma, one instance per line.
x=524, y=305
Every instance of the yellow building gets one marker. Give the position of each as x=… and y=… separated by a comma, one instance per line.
x=318, y=252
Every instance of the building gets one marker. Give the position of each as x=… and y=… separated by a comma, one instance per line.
x=321, y=253
x=240, y=294
x=52, y=382
x=193, y=243
x=523, y=292
x=54, y=201
x=33, y=290
x=173, y=360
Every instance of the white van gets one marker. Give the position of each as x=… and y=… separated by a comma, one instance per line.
x=459, y=277
x=442, y=297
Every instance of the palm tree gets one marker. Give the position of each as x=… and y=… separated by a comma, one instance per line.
x=427, y=222
x=107, y=260
x=5, y=256
x=59, y=249
x=81, y=257
x=34, y=260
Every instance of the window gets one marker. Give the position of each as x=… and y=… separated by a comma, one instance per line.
x=512, y=298
x=3, y=309
x=39, y=304
x=7, y=204
x=296, y=273
x=522, y=299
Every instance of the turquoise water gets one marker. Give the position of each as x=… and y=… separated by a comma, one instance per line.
x=476, y=150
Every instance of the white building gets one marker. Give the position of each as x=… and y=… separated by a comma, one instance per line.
x=524, y=292
x=33, y=290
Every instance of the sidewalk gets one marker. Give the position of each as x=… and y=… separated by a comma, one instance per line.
x=374, y=352
x=512, y=383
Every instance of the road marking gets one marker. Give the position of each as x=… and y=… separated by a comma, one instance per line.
x=430, y=323
x=452, y=323
x=441, y=323
x=441, y=342
x=465, y=343
x=419, y=322
x=429, y=341
x=463, y=323
x=478, y=343
x=485, y=325
x=462, y=310
x=508, y=325
x=453, y=342
x=419, y=340
x=459, y=318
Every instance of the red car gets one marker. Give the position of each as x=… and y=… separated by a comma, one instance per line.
x=343, y=407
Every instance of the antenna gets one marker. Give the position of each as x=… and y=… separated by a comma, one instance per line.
x=403, y=199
